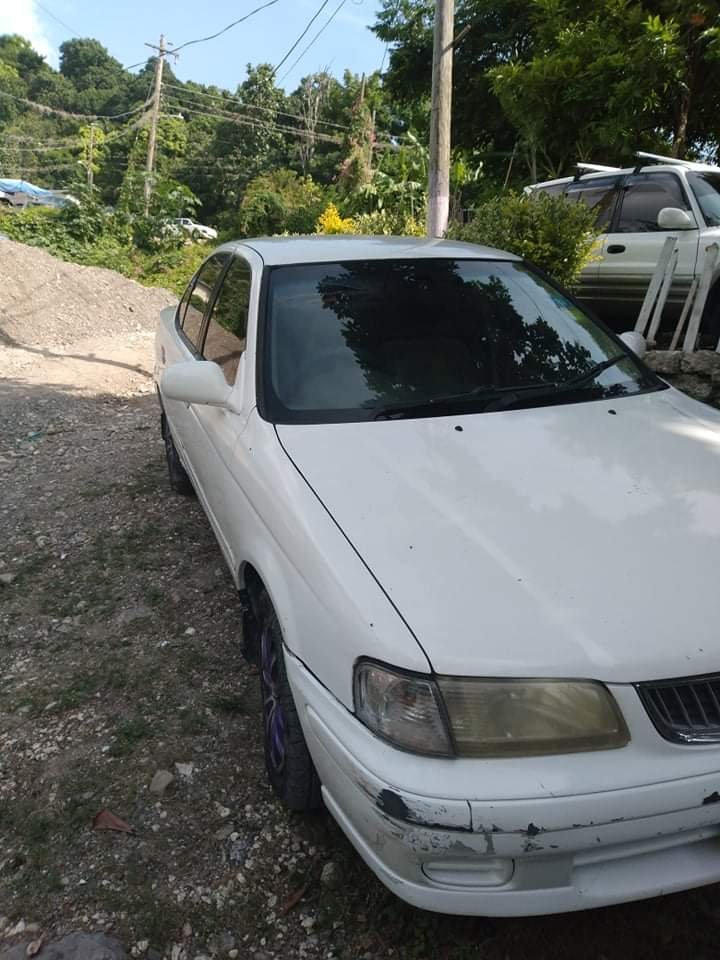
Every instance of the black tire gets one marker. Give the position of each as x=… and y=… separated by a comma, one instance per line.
x=179, y=480
x=289, y=765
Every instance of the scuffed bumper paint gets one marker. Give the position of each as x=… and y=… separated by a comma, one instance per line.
x=548, y=855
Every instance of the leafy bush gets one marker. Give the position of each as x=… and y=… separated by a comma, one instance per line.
x=49, y=228
x=279, y=202
x=551, y=232
x=389, y=223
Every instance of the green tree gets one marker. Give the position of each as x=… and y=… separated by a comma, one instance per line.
x=280, y=202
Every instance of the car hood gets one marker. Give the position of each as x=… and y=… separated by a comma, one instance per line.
x=576, y=540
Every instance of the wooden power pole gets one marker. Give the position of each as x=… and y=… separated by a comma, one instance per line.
x=154, y=117
x=439, y=174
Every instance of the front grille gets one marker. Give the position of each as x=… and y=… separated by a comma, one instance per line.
x=686, y=710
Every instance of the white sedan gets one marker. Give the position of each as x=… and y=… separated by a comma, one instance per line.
x=478, y=541
x=198, y=231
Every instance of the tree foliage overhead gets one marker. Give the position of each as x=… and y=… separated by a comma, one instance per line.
x=561, y=80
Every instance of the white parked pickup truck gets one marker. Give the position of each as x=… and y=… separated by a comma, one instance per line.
x=478, y=543
x=637, y=208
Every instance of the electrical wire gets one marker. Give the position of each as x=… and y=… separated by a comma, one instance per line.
x=72, y=116
x=257, y=122
x=212, y=36
x=250, y=106
x=310, y=22
x=52, y=16
x=324, y=27
x=264, y=125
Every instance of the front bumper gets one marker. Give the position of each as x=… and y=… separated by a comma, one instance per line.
x=515, y=857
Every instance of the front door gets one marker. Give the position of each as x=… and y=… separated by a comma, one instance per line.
x=631, y=251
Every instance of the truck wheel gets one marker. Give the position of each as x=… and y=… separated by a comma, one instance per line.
x=288, y=762
x=179, y=480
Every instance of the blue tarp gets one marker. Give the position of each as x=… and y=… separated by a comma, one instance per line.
x=22, y=186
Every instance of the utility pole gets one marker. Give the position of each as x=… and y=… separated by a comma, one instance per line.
x=91, y=147
x=439, y=174
x=154, y=117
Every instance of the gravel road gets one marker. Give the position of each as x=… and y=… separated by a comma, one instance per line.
x=124, y=702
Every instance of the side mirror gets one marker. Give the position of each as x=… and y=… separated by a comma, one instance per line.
x=636, y=342
x=673, y=218
x=195, y=381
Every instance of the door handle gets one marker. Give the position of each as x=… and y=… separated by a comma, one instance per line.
x=616, y=248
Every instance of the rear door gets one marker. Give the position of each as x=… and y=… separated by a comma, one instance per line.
x=631, y=250
x=600, y=194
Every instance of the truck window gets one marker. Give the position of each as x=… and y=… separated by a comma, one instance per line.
x=600, y=194
x=644, y=197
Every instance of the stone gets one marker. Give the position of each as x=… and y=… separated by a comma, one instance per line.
x=700, y=388
x=76, y=946
x=222, y=811
x=330, y=876
x=7, y=578
x=664, y=361
x=160, y=782
x=185, y=770
x=704, y=363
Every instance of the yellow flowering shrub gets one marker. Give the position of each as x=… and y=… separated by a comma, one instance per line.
x=330, y=221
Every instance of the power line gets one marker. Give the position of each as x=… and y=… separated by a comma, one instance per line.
x=225, y=29
x=264, y=125
x=310, y=22
x=250, y=106
x=324, y=27
x=72, y=116
x=52, y=16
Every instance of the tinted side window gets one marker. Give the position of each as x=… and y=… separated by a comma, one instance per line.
x=227, y=329
x=182, y=306
x=199, y=297
x=644, y=197
x=598, y=194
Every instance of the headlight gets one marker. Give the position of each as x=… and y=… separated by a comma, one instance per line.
x=499, y=718
x=458, y=716
x=402, y=708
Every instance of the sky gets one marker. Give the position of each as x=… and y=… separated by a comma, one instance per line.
x=123, y=27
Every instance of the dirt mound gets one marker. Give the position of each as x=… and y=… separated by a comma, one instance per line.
x=50, y=303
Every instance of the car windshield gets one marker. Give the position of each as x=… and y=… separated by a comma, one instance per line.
x=706, y=187
x=361, y=339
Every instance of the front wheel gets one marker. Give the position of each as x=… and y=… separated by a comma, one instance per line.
x=288, y=762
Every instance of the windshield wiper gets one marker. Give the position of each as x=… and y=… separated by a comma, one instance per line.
x=573, y=385
x=579, y=379
x=434, y=405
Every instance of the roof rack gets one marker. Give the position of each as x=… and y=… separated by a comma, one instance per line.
x=583, y=168
x=597, y=167
x=650, y=158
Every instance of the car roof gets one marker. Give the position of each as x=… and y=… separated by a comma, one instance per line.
x=687, y=166
x=327, y=249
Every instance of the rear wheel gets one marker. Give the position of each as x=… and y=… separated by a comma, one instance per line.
x=179, y=480
x=288, y=762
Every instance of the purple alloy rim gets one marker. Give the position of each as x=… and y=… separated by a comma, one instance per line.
x=273, y=710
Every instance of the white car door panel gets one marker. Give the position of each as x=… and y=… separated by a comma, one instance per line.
x=217, y=430
x=631, y=251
